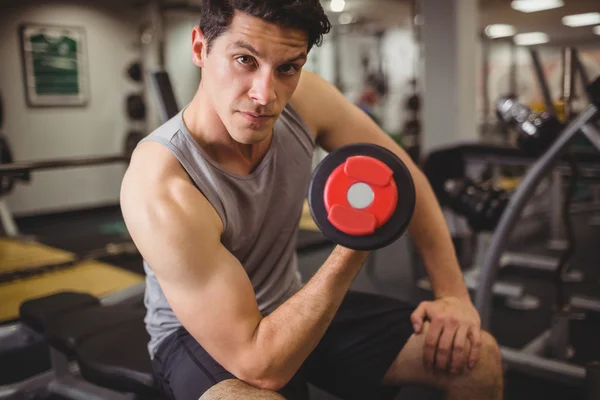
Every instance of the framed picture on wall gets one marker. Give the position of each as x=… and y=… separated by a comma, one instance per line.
x=54, y=65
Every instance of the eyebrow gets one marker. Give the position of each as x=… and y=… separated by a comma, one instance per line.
x=245, y=45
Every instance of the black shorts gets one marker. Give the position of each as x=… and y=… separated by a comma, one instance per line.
x=350, y=361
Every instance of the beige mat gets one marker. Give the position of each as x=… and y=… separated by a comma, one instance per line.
x=97, y=278
x=16, y=254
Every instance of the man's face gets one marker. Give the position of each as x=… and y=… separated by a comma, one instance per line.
x=250, y=74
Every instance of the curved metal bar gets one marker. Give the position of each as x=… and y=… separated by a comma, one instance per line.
x=510, y=217
x=24, y=167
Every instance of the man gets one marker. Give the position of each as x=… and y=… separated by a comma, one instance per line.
x=213, y=198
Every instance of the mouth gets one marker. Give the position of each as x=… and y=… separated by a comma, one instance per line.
x=255, y=116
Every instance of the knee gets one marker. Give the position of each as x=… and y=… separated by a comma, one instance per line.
x=236, y=389
x=488, y=370
x=490, y=355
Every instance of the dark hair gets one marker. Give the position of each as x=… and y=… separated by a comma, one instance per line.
x=306, y=15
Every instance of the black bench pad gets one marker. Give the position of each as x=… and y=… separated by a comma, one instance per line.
x=65, y=331
x=36, y=313
x=118, y=359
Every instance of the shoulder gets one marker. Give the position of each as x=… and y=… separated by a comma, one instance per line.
x=168, y=129
x=155, y=186
x=315, y=99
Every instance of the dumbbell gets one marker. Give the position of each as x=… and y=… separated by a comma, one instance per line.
x=536, y=132
x=482, y=206
x=362, y=196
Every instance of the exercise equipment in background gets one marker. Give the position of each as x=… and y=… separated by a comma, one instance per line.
x=480, y=204
x=548, y=355
x=98, y=347
x=362, y=196
x=164, y=94
x=135, y=106
x=108, y=302
x=135, y=72
x=411, y=131
x=7, y=183
x=535, y=131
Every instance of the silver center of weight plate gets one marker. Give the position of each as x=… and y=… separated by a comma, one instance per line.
x=360, y=195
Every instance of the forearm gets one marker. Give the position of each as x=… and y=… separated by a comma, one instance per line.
x=432, y=239
x=285, y=338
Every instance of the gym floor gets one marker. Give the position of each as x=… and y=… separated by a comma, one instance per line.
x=390, y=275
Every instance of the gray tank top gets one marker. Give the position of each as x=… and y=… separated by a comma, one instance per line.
x=260, y=214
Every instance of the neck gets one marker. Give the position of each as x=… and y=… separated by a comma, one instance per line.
x=208, y=130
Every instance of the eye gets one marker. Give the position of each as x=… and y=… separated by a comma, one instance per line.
x=289, y=69
x=245, y=60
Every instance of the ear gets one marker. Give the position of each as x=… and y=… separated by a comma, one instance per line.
x=198, y=47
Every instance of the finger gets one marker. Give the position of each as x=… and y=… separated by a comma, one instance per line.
x=475, y=337
x=418, y=316
x=444, y=347
x=460, y=350
x=431, y=342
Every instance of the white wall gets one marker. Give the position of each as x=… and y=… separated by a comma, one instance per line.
x=97, y=129
x=185, y=76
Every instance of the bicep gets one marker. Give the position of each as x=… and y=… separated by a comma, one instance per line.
x=212, y=297
x=205, y=285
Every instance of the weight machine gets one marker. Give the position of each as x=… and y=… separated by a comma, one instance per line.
x=483, y=204
x=548, y=355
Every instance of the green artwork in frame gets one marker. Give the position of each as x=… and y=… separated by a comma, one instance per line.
x=54, y=65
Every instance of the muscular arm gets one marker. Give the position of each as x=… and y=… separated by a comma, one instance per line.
x=338, y=122
x=178, y=233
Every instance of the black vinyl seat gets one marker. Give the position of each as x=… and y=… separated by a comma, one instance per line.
x=36, y=313
x=118, y=359
x=109, y=343
x=64, y=332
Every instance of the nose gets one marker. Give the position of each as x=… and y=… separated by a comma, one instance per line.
x=263, y=88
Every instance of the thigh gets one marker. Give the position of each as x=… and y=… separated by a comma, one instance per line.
x=185, y=371
x=360, y=345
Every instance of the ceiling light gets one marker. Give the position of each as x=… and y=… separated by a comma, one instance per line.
x=500, y=30
x=528, y=6
x=337, y=5
x=597, y=30
x=531, y=38
x=582, y=19
x=345, y=19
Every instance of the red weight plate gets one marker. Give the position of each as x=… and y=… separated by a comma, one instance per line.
x=336, y=188
x=369, y=170
x=352, y=221
x=336, y=193
x=384, y=204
